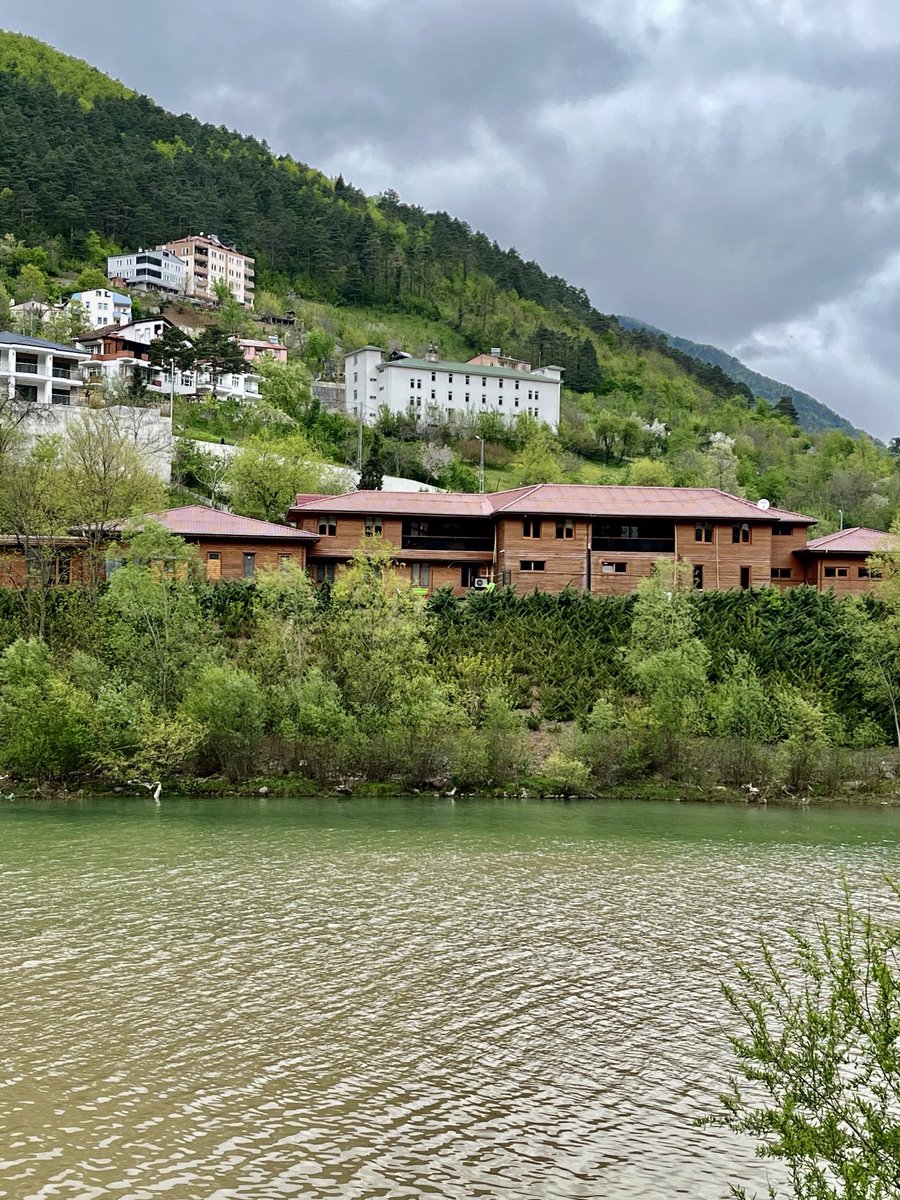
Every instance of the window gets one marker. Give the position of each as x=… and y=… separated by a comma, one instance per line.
x=500, y=401
x=419, y=384
x=420, y=574
x=517, y=385
x=356, y=376
x=467, y=397
x=327, y=526
x=782, y=530
x=614, y=568
x=740, y=533
x=531, y=527
x=467, y=381
x=249, y=566
x=565, y=528
x=374, y=526
x=703, y=531
x=530, y=565
x=868, y=573
x=433, y=376
x=698, y=577
x=781, y=572
x=836, y=572
x=324, y=572
x=450, y=377
x=483, y=398
x=500, y=383
x=433, y=394
x=484, y=381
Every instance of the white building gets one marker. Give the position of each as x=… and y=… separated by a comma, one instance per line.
x=159, y=270
x=104, y=307
x=35, y=371
x=434, y=391
x=210, y=261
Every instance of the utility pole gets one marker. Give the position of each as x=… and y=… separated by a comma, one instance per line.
x=481, y=466
x=359, y=437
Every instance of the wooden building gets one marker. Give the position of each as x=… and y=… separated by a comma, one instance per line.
x=233, y=547
x=599, y=539
x=839, y=561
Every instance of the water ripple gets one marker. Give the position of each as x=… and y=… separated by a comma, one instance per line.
x=388, y=1000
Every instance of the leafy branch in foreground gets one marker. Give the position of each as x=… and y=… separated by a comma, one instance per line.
x=818, y=1081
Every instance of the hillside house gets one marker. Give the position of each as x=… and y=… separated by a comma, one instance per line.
x=104, y=307
x=39, y=372
x=208, y=260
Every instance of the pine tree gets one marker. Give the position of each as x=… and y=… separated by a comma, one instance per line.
x=371, y=478
x=786, y=408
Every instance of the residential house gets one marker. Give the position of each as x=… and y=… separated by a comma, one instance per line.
x=434, y=391
x=233, y=547
x=39, y=372
x=159, y=270
x=104, y=307
x=208, y=261
x=271, y=347
x=599, y=539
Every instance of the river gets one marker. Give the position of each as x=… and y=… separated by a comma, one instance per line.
x=396, y=999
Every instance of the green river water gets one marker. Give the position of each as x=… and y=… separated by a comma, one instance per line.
x=402, y=999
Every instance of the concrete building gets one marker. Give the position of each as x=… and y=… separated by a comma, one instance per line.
x=435, y=391
x=208, y=261
x=104, y=307
x=599, y=539
x=35, y=371
x=158, y=270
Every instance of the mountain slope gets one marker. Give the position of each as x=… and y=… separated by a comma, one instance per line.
x=814, y=415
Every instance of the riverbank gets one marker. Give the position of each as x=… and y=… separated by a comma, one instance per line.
x=534, y=788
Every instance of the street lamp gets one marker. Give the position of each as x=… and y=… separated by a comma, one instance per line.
x=481, y=465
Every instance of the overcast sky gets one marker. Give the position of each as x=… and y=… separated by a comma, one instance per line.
x=725, y=169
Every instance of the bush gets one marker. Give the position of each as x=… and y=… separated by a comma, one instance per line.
x=228, y=705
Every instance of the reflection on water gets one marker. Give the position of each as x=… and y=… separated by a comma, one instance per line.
x=391, y=999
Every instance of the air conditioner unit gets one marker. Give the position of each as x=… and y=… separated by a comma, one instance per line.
x=479, y=583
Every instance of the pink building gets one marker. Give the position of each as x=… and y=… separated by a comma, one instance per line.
x=269, y=348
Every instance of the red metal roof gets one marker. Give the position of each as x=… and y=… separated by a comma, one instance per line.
x=196, y=520
x=557, y=499
x=856, y=540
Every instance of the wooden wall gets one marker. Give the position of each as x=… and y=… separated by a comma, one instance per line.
x=230, y=564
x=565, y=559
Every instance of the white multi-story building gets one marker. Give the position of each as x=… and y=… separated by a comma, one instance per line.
x=159, y=270
x=35, y=371
x=104, y=307
x=210, y=261
x=435, y=391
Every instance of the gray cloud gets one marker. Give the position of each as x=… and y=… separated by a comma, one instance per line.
x=727, y=169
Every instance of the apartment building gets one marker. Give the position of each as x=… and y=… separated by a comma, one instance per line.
x=435, y=391
x=599, y=539
x=104, y=307
x=159, y=270
x=208, y=260
x=36, y=371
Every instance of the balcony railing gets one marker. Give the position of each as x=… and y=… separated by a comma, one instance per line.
x=635, y=545
x=410, y=542
x=26, y=368
x=63, y=373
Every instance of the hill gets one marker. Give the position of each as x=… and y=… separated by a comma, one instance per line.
x=813, y=415
x=88, y=167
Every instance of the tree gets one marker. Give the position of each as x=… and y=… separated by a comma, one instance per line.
x=265, y=476
x=371, y=477
x=103, y=475
x=649, y=472
x=285, y=386
x=229, y=705
x=818, y=1058
x=173, y=346
x=787, y=408
x=538, y=461
x=319, y=348
x=220, y=354
x=90, y=279
x=31, y=284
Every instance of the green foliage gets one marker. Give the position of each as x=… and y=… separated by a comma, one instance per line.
x=265, y=476
x=33, y=60
x=44, y=721
x=816, y=1058
x=228, y=704
x=371, y=477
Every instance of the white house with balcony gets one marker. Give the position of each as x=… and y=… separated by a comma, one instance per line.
x=104, y=307
x=159, y=270
x=35, y=371
x=435, y=391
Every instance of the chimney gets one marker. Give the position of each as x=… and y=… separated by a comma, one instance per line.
x=495, y=350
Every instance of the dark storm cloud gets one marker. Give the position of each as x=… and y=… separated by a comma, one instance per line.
x=727, y=169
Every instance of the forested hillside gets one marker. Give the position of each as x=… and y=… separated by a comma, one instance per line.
x=88, y=167
x=813, y=415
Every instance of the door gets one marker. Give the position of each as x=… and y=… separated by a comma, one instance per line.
x=249, y=566
x=745, y=577
x=213, y=565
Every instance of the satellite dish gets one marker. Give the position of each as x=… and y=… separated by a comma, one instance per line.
x=763, y=504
